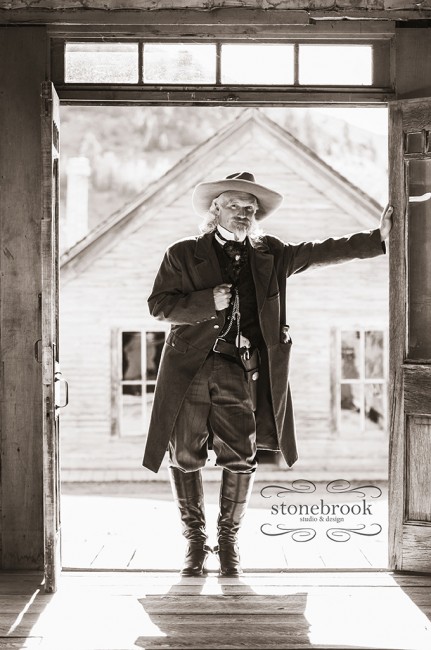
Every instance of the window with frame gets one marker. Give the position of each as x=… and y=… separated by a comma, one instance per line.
x=256, y=63
x=361, y=402
x=140, y=352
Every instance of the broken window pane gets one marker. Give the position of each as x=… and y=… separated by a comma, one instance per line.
x=131, y=415
x=154, y=342
x=374, y=410
x=374, y=355
x=257, y=64
x=101, y=63
x=336, y=65
x=180, y=63
x=350, y=403
x=131, y=347
x=350, y=355
x=419, y=259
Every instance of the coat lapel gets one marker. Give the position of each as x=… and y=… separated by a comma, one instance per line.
x=207, y=265
x=262, y=266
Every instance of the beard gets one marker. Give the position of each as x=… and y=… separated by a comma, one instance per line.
x=242, y=225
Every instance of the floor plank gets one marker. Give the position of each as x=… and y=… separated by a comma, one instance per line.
x=124, y=610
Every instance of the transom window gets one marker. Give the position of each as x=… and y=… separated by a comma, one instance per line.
x=217, y=63
x=140, y=358
x=361, y=390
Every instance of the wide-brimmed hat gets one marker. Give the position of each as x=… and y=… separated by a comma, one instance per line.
x=204, y=193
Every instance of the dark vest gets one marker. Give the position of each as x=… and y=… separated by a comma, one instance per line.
x=247, y=297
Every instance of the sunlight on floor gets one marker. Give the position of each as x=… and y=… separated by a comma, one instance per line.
x=117, y=611
x=375, y=618
x=72, y=621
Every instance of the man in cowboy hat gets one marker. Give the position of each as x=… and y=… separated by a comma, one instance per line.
x=223, y=293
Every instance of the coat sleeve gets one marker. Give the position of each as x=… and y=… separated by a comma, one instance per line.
x=167, y=301
x=309, y=255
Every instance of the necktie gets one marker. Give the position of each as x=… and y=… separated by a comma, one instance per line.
x=237, y=253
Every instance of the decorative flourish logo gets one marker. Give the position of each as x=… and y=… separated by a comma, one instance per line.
x=299, y=486
x=341, y=485
x=298, y=534
x=321, y=511
x=344, y=534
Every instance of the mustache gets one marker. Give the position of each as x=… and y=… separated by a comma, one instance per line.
x=244, y=220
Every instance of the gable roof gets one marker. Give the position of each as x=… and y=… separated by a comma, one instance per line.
x=194, y=168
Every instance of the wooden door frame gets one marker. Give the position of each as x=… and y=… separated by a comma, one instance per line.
x=288, y=104
x=397, y=338
x=408, y=376
x=84, y=95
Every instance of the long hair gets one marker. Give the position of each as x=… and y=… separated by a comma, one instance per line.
x=211, y=221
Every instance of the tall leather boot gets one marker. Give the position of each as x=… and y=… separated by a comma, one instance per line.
x=234, y=496
x=188, y=493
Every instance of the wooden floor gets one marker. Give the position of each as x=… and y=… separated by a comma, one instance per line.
x=119, y=526
x=125, y=610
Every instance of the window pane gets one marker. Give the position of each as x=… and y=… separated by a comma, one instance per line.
x=175, y=63
x=415, y=142
x=374, y=414
x=131, y=346
x=257, y=64
x=350, y=403
x=131, y=420
x=374, y=355
x=154, y=342
x=335, y=65
x=101, y=63
x=350, y=355
x=419, y=259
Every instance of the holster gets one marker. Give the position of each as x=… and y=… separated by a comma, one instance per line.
x=251, y=364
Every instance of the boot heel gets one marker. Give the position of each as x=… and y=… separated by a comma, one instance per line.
x=196, y=556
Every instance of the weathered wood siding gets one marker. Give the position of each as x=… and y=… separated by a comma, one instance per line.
x=300, y=10
x=22, y=69
x=111, y=292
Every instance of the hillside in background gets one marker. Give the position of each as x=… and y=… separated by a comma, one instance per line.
x=129, y=147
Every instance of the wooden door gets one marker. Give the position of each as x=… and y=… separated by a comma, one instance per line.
x=50, y=351
x=410, y=336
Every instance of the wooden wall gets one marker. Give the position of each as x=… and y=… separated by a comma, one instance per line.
x=413, y=62
x=22, y=69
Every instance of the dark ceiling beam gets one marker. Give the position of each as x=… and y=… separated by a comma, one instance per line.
x=400, y=11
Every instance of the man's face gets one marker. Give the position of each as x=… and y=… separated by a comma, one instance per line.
x=236, y=211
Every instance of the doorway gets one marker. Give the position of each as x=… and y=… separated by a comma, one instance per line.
x=114, y=513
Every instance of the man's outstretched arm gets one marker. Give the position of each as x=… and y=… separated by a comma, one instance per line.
x=361, y=245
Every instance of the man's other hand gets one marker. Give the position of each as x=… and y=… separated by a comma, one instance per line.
x=222, y=296
x=386, y=222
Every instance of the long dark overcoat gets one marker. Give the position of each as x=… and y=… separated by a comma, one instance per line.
x=183, y=296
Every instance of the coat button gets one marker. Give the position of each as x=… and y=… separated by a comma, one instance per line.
x=212, y=317
x=216, y=327
x=255, y=376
